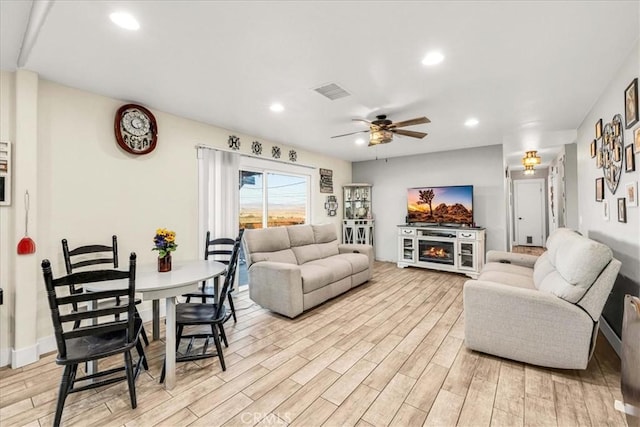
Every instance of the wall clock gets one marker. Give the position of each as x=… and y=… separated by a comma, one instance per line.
x=136, y=129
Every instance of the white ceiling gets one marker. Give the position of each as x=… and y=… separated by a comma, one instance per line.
x=529, y=71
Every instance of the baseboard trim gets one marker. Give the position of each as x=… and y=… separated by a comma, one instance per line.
x=24, y=356
x=611, y=336
x=5, y=357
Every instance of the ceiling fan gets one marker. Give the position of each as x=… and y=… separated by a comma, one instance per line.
x=382, y=129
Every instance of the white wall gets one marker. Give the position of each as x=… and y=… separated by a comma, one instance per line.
x=481, y=167
x=623, y=238
x=90, y=189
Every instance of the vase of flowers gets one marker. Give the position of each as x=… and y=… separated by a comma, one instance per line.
x=164, y=242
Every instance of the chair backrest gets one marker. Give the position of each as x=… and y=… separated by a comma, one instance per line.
x=80, y=256
x=57, y=303
x=229, y=275
x=218, y=249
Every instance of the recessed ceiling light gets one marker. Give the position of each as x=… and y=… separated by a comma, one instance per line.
x=471, y=122
x=276, y=108
x=360, y=141
x=433, y=58
x=125, y=20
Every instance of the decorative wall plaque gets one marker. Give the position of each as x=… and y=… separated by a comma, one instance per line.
x=293, y=156
x=256, y=148
x=234, y=142
x=612, y=152
x=326, y=181
x=275, y=152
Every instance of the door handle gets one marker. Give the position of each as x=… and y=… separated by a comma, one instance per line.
x=520, y=218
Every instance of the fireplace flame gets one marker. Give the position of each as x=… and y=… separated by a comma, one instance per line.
x=436, y=252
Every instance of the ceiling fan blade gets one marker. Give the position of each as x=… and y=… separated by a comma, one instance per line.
x=410, y=133
x=361, y=120
x=416, y=121
x=351, y=133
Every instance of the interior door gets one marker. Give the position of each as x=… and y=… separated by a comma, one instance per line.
x=529, y=212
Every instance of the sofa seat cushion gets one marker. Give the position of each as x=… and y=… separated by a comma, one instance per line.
x=359, y=262
x=315, y=276
x=508, y=268
x=340, y=268
x=506, y=278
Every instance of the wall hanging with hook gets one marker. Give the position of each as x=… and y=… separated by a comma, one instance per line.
x=26, y=245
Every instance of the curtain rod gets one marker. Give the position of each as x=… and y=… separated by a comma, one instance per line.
x=253, y=156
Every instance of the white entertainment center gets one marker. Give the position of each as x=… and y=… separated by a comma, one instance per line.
x=455, y=249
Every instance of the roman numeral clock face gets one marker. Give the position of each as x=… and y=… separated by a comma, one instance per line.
x=136, y=129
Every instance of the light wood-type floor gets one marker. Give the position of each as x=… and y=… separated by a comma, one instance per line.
x=530, y=250
x=389, y=352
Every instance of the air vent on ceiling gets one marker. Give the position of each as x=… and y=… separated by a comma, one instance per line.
x=332, y=91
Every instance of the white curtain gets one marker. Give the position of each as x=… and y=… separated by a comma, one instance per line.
x=218, y=191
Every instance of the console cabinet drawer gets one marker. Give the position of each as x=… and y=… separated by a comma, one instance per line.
x=407, y=231
x=467, y=235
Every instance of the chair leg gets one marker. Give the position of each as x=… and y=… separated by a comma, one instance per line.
x=65, y=386
x=233, y=309
x=223, y=335
x=143, y=332
x=216, y=340
x=142, y=356
x=131, y=379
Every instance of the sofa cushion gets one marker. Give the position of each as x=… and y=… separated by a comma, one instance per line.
x=306, y=253
x=300, y=235
x=579, y=262
x=266, y=240
x=285, y=255
x=554, y=240
x=505, y=278
x=541, y=269
x=339, y=266
x=324, y=233
x=315, y=276
x=328, y=249
x=359, y=262
x=508, y=268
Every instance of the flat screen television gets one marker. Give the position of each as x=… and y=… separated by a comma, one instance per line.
x=442, y=205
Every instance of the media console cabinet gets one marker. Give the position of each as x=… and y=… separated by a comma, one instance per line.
x=455, y=249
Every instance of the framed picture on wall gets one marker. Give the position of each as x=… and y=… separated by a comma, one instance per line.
x=631, y=104
x=636, y=139
x=622, y=209
x=631, y=194
x=599, y=129
x=599, y=159
x=605, y=210
x=630, y=159
x=594, y=146
x=599, y=189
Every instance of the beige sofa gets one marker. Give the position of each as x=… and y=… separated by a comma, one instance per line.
x=295, y=268
x=541, y=310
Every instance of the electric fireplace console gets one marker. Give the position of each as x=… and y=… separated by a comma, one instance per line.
x=455, y=249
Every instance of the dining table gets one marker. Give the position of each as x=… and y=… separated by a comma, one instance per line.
x=152, y=285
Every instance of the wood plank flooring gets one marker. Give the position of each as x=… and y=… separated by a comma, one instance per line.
x=390, y=352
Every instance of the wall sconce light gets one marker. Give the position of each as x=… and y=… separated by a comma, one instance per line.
x=331, y=205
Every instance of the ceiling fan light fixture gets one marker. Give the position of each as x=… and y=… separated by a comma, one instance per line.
x=433, y=58
x=380, y=136
x=125, y=20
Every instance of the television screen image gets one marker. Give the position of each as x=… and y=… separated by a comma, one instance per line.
x=442, y=205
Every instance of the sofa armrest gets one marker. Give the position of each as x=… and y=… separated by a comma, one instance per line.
x=524, y=260
x=526, y=324
x=277, y=286
x=362, y=249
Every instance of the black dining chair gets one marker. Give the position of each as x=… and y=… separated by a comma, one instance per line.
x=87, y=256
x=219, y=250
x=205, y=314
x=105, y=335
